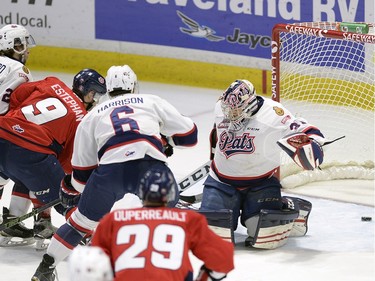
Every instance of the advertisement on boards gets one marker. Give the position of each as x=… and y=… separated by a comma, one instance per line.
x=63, y=23
x=241, y=27
x=238, y=27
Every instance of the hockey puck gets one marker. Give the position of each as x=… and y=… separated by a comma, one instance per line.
x=366, y=218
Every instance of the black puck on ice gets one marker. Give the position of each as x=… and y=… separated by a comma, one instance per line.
x=366, y=218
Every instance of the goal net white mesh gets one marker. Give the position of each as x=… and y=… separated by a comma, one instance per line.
x=326, y=75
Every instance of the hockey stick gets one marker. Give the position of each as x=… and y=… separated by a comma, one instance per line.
x=34, y=212
x=201, y=172
x=192, y=199
x=192, y=179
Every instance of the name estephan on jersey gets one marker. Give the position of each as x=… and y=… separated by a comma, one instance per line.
x=69, y=100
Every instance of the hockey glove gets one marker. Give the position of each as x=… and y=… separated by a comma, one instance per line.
x=167, y=148
x=305, y=152
x=68, y=195
x=213, y=141
x=206, y=274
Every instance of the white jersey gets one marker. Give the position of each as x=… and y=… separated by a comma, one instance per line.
x=12, y=74
x=126, y=128
x=252, y=153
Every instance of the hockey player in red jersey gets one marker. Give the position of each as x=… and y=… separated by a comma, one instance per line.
x=115, y=143
x=162, y=237
x=37, y=134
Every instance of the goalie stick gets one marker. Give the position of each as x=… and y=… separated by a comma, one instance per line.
x=34, y=212
x=194, y=176
x=186, y=200
x=192, y=199
x=201, y=172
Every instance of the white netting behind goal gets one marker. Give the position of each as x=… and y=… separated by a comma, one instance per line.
x=328, y=77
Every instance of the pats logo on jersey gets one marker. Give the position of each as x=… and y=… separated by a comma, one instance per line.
x=230, y=144
x=279, y=111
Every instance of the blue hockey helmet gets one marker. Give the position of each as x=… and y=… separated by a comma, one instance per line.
x=157, y=187
x=88, y=80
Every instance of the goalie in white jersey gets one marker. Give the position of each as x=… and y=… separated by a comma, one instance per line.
x=245, y=144
x=116, y=142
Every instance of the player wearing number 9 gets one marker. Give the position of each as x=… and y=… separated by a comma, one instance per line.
x=153, y=242
x=37, y=133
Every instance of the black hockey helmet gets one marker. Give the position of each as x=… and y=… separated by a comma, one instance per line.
x=89, y=80
x=157, y=186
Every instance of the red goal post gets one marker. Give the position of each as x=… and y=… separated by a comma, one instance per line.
x=324, y=72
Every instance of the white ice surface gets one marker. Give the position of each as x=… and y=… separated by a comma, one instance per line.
x=338, y=245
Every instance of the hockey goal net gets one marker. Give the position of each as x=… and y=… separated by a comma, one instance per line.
x=324, y=72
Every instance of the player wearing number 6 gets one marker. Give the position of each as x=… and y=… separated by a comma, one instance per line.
x=115, y=144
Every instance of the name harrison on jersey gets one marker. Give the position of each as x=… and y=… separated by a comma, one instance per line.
x=149, y=214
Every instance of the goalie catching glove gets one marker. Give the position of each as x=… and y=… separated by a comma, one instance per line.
x=68, y=195
x=305, y=152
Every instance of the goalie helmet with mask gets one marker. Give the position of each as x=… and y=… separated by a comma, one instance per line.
x=158, y=187
x=238, y=103
x=121, y=80
x=15, y=40
x=86, y=81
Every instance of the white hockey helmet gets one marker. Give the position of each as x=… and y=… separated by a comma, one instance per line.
x=121, y=78
x=14, y=35
x=89, y=263
x=239, y=102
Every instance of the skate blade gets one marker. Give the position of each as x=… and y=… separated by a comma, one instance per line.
x=15, y=241
x=42, y=244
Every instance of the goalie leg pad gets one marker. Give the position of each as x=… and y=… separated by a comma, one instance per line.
x=304, y=209
x=273, y=229
x=221, y=223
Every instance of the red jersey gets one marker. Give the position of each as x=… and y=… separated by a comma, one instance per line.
x=43, y=116
x=154, y=243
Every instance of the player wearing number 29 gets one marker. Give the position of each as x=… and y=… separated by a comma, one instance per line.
x=248, y=129
x=115, y=144
x=37, y=133
x=153, y=242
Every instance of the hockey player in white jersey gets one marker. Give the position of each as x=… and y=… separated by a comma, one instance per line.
x=115, y=144
x=245, y=144
x=15, y=42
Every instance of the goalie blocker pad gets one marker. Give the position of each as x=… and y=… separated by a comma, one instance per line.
x=220, y=222
x=273, y=229
x=305, y=152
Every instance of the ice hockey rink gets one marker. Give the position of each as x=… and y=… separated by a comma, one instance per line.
x=338, y=245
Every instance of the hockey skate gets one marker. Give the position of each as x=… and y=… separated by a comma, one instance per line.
x=17, y=235
x=43, y=232
x=45, y=270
